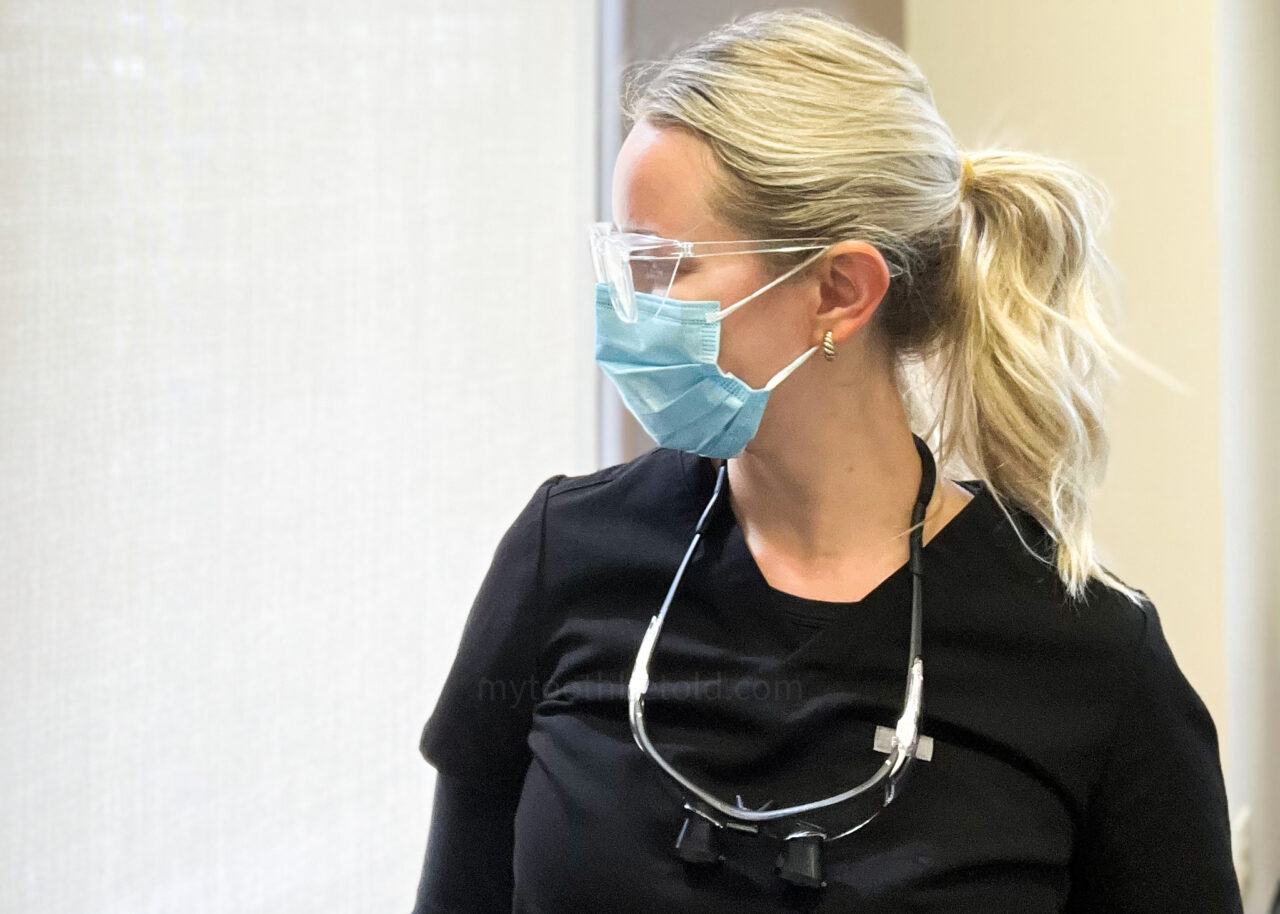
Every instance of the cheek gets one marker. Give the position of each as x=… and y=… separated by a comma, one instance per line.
x=749, y=337
x=697, y=285
x=761, y=338
x=747, y=344
x=725, y=280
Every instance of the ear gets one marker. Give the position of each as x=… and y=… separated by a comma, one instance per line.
x=852, y=281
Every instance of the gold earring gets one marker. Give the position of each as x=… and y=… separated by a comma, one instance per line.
x=828, y=347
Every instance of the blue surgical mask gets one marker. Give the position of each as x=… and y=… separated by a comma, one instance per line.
x=664, y=365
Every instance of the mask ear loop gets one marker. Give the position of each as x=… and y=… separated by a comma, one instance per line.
x=720, y=315
x=781, y=376
x=712, y=317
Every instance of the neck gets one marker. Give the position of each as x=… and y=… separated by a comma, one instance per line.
x=831, y=478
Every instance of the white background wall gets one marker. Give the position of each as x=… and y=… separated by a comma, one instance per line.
x=295, y=313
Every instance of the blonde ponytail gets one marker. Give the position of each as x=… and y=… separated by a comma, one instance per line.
x=1026, y=374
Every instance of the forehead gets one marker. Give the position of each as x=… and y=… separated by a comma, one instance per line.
x=661, y=182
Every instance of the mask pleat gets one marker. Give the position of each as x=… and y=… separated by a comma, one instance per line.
x=664, y=367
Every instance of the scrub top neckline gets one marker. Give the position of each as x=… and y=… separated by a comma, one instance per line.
x=771, y=612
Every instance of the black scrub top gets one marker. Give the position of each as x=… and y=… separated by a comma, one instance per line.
x=1073, y=766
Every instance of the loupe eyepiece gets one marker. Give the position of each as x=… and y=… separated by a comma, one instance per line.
x=698, y=841
x=800, y=862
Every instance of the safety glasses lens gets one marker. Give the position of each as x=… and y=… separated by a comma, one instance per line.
x=627, y=270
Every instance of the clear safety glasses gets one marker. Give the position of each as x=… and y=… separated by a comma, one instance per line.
x=629, y=262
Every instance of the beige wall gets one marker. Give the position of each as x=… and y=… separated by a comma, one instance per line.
x=1135, y=93
x=1072, y=81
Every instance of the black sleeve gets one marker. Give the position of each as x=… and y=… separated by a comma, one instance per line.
x=468, y=860
x=478, y=730
x=1157, y=839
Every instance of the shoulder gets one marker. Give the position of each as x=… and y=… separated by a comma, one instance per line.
x=621, y=517
x=655, y=479
x=1108, y=620
x=1013, y=567
x=634, y=484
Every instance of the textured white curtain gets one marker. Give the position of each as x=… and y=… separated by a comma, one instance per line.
x=295, y=313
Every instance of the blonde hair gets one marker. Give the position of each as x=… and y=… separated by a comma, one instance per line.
x=996, y=316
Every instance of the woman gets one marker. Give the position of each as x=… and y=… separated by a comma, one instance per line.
x=1061, y=760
